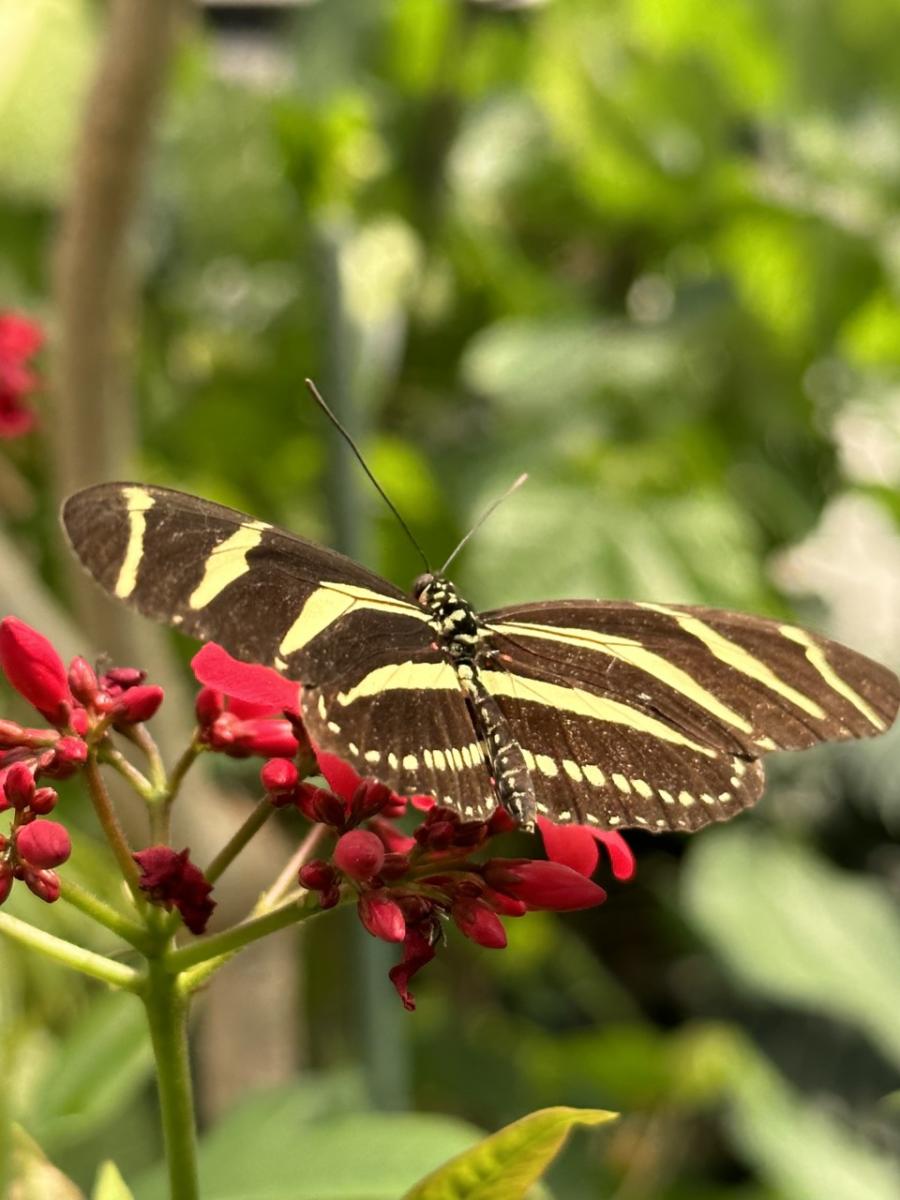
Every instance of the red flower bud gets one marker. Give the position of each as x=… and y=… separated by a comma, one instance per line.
x=6, y=881
x=368, y=799
x=82, y=680
x=382, y=916
x=279, y=776
x=359, y=854
x=208, y=705
x=34, y=669
x=119, y=679
x=11, y=734
x=43, y=801
x=137, y=704
x=507, y=905
x=43, y=844
x=479, y=923
x=79, y=721
x=394, y=841
x=543, y=884
x=317, y=875
x=18, y=785
x=67, y=756
x=44, y=884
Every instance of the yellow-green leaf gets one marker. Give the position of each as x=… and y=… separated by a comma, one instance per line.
x=110, y=1185
x=506, y=1164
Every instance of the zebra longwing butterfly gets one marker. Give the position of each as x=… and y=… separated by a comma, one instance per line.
x=586, y=711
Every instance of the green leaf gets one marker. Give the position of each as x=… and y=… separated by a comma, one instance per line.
x=805, y=1151
x=506, y=1164
x=98, y=1068
x=300, y=1150
x=797, y=929
x=110, y=1185
x=34, y=1177
x=45, y=53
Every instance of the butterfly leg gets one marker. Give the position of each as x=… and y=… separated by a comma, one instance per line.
x=505, y=760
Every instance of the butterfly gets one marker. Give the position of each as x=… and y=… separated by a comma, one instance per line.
x=594, y=712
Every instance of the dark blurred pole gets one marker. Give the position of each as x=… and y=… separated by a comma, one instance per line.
x=384, y=1044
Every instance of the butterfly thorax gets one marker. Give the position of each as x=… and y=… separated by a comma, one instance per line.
x=455, y=623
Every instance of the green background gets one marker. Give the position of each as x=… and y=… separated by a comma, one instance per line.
x=648, y=252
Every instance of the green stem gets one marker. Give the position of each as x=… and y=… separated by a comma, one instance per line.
x=167, y=1010
x=104, y=914
x=109, y=822
x=182, y=767
x=61, y=951
x=141, y=737
x=287, y=880
x=106, y=753
x=213, y=952
x=262, y=811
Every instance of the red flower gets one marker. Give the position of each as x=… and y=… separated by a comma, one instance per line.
x=577, y=847
x=237, y=707
x=19, y=340
x=418, y=951
x=35, y=670
x=170, y=879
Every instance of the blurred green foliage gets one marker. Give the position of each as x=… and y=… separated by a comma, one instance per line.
x=648, y=251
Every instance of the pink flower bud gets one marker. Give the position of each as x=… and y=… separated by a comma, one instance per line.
x=279, y=776
x=82, y=680
x=137, y=704
x=43, y=801
x=44, y=884
x=382, y=916
x=34, y=669
x=43, y=844
x=479, y=923
x=19, y=785
x=359, y=854
x=118, y=679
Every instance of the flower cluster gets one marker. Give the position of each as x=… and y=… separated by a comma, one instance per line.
x=20, y=339
x=78, y=706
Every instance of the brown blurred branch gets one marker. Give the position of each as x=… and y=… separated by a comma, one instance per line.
x=92, y=418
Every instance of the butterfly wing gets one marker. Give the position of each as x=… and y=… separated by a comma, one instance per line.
x=657, y=715
x=375, y=690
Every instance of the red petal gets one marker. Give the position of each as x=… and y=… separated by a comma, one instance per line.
x=339, y=775
x=259, y=685
x=621, y=858
x=573, y=845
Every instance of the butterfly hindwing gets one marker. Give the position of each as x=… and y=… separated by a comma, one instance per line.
x=666, y=708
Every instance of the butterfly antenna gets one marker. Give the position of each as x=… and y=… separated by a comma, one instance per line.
x=317, y=396
x=513, y=487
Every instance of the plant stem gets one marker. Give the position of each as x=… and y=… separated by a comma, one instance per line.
x=104, y=914
x=107, y=753
x=115, y=835
x=239, y=839
x=167, y=1010
x=287, y=880
x=213, y=952
x=61, y=951
x=141, y=737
